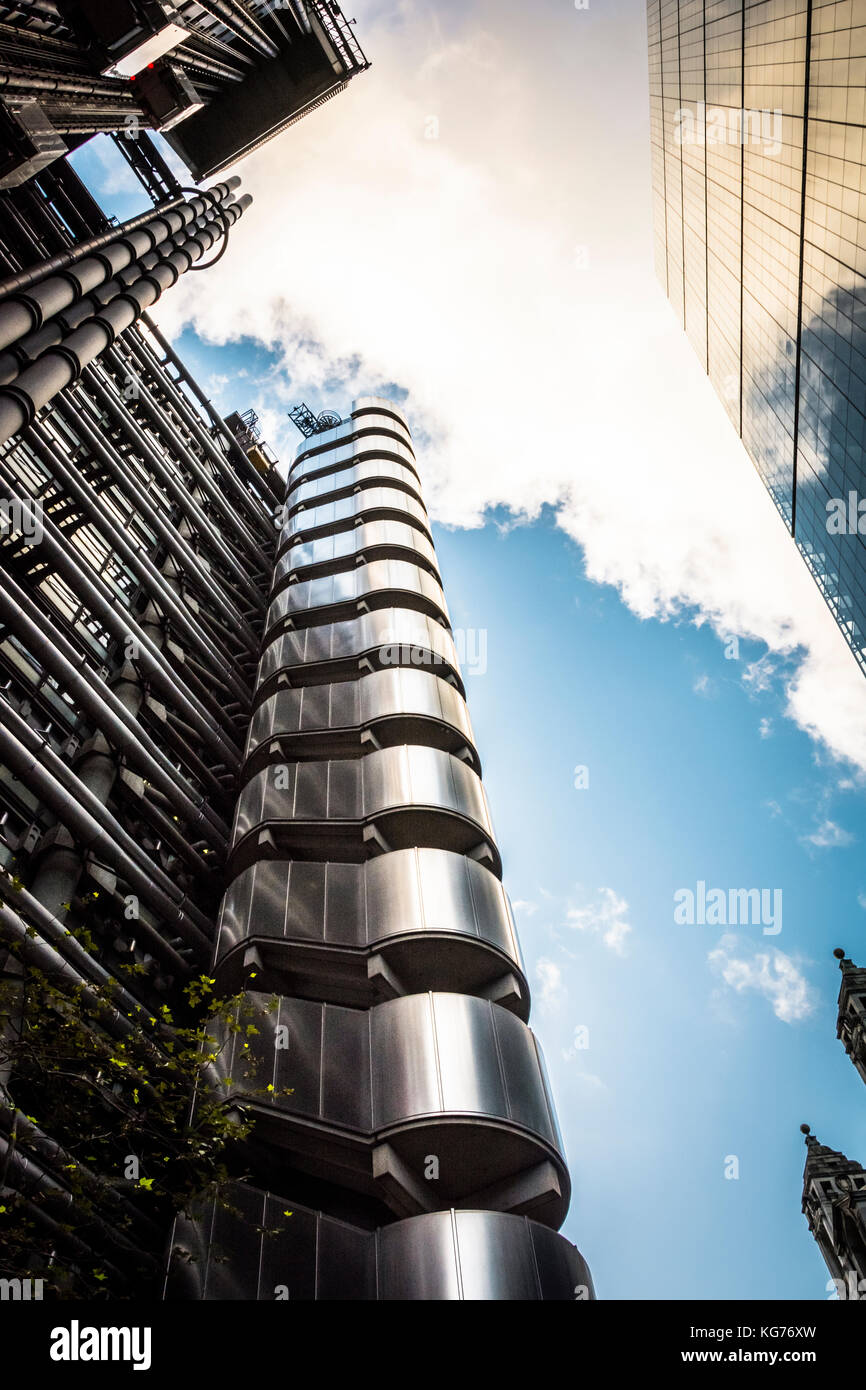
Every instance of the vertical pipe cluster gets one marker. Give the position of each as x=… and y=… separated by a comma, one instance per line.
x=135, y=561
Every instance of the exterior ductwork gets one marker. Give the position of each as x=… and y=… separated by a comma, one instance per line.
x=63, y=363
x=236, y=740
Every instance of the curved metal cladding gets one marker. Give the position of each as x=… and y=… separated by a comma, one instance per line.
x=373, y=584
x=373, y=502
x=440, y=1256
x=397, y=1091
x=381, y=638
x=409, y=920
x=348, y=718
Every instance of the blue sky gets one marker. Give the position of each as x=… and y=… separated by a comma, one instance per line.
x=599, y=523
x=681, y=1070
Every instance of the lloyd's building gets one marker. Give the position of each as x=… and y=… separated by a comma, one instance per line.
x=232, y=748
x=405, y=1144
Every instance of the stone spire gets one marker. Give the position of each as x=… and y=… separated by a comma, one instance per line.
x=851, y=1020
x=834, y=1204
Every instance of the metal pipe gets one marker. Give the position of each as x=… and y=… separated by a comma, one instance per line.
x=203, y=772
x=56, y=368
x=63, y=363
x=167, y=429
x=27, y=1171
x=241, y=23
x=35, y=44
x=94, y=261
x=169, y=432
x=254, y=505
x=121, y=625
x=263, y=485
x=74, y=784
x=209, y=40
x=61, y=940
x=111, y=401
x=99, y=703
x=24, y=80
x=33, y=951
x=57, y=786
x=72, y=408
x=19, y=1128
x=191, y=59
x=24, y=351
x=139, y=562
x=221, y=500
x=167, y=829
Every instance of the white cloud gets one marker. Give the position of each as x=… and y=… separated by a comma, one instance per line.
x=765, y=728
x=861, y=898
x=703, y=685
x=772, y=974
x=829, y=835
x=759, y=675
x=524, y=906
x=605, y=917
x=447, y=267
x=549, y=976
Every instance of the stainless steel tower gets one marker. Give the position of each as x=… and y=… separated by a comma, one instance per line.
x=405, y=1144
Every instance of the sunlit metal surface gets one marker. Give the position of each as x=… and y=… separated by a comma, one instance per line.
x=367, y=446
x=365, y=930
x=379, y=584
x=372, y=540
x=444, y=1074
x=384, y=638
x=436, y=919
x=353, y=718
x=364, y=473
x=392, y=799
x=369, y=420
x=368, y=503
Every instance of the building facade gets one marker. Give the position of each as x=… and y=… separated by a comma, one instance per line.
x=235, y=754
x=405, y=1144
x=136, y=555
x=757, y=139
x=234, y=747
x=217, y=80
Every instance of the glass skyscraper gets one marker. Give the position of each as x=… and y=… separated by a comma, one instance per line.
x=757, y=132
